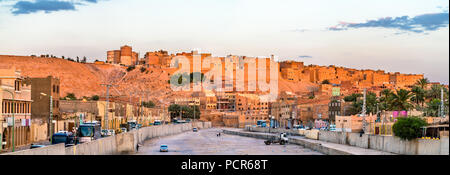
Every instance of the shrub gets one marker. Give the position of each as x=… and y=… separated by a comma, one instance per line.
x=130, y=68
x=409, y=128
x=71, y=96
x=95, y=98
x=143, y=69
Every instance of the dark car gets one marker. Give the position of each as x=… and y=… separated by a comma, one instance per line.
x=66, y=138
x=195, y=130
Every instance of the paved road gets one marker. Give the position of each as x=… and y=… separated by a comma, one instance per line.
x=205, y=142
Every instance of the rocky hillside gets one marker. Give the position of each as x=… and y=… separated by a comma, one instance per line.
x=86, y=79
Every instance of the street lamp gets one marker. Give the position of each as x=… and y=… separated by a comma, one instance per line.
x=51, y=115
x=13, y=120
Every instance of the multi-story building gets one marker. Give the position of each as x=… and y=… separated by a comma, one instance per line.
x=125, y=56
x=45, y=92
x=284, y=110
x=354, y=123
x=15, y=104
x=113, y=57
x=226, y=101
x=252, y=108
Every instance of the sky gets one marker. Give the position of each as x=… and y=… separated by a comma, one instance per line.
x=407, y=36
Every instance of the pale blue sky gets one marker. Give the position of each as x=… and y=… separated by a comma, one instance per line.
x=330, y=32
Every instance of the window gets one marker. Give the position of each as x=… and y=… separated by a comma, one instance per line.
x=17, y=85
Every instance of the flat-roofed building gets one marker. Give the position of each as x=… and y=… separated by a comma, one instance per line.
x=15, y=104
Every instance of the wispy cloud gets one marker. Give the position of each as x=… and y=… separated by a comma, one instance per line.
x=300, y=30
x=47, y=6
x=305, y=56
x=417, y=24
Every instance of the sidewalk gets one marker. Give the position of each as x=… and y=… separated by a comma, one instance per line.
x=317, y=145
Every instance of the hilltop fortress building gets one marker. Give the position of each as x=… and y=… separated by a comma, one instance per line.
x=125, y=56
x=291, y=71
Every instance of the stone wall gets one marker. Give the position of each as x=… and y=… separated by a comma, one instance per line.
x=120, y=144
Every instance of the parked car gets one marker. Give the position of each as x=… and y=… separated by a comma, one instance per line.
x=164, y=148
x=106, y=133
x=36, y=146
x=195, y=129
x=333, y=128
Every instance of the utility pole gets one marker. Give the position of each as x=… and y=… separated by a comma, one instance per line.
x=442, y=103
x=107, y=103
x=364, y=111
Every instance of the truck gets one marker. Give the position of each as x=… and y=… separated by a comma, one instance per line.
x=88, y=132
x=64, y=137
x=282, y=140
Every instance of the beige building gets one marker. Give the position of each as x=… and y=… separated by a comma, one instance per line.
x=354, y=123
x=15, y=104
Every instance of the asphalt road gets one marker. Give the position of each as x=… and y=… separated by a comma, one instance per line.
x=206, y=142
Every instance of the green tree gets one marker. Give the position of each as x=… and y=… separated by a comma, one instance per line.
x=356, y=107
x=423, y=83
x=401, y=100
x=95, y=98
x=409, y=128
x=326, y=82
x=174, y=110
x=433, y=108
x=71, y=96
x=131, y=68
x=418, y=95
x=352, y=98
x=434, y=92
x=385, y=99
x=148, y=104
x=143, y=69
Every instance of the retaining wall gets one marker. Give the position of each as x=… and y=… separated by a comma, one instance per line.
x=382, y=143
x=49, y=150
x=118, y=144
x=310, y=145
x=388, y=143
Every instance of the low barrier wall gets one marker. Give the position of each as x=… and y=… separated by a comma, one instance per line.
x=310, y=145
x=382, y=143
x=388, y=143
x=49, y=150
x=118, y=144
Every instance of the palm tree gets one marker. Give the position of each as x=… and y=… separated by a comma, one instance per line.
x=401, y=100
x=419, y=95
x=423, y=83
x=385, y=98
x=434, y=92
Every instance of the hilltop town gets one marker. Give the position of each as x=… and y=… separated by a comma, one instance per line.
x=139, y=89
